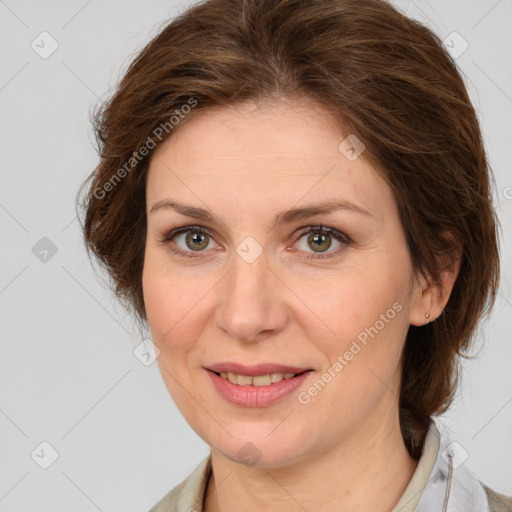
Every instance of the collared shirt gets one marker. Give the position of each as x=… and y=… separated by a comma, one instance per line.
x=440, y=483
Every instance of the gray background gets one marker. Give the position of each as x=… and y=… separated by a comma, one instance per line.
x=68, y=375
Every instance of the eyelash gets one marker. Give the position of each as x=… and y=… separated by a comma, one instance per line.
x=340, y=237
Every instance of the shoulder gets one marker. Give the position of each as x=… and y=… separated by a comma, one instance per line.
x=169, y=503
x=497, y=502
x=188, y=495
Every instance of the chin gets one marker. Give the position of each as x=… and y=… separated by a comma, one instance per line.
x=262, y=450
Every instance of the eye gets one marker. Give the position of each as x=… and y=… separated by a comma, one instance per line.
x=320, y=238
x=195, y=239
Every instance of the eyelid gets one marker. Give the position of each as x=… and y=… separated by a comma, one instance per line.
x=323, y=229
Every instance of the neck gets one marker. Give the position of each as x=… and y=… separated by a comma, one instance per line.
x=367, y=470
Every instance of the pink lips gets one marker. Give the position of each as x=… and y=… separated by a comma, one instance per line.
x=257, y=396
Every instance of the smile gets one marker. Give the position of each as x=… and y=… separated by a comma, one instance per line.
x=256, y=380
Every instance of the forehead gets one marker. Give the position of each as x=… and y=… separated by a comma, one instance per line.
x=276, y=153
x=278, y=130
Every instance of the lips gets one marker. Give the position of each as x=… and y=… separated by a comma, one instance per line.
x=251, y=395
x=255, y=370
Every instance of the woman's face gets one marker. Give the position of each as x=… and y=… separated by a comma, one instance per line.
x=259, y=289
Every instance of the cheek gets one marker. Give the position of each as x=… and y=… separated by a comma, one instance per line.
x=175, y=311
x=367, y=315
x=165, y=299
x=158, y=301
x=355, y=299
x=166, y=307
x=364, y=312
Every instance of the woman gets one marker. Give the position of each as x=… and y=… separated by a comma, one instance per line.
x=294, y=196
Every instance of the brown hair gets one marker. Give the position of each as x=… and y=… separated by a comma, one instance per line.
x=390, y=82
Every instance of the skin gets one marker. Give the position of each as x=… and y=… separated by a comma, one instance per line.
x=343, y=450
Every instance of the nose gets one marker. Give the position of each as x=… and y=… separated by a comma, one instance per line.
x=252, y=301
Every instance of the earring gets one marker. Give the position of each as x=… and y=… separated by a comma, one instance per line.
x=427, y=316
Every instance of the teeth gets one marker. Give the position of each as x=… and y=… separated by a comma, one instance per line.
x=259, y=380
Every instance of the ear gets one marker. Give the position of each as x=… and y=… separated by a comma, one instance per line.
x=429, y=298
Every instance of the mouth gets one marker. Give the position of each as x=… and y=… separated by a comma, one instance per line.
x=261, y=390
x=257, y=380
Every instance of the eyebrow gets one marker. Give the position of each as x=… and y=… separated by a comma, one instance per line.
x=285, y=217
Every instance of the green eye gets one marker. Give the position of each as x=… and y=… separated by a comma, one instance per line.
x=319, y=239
